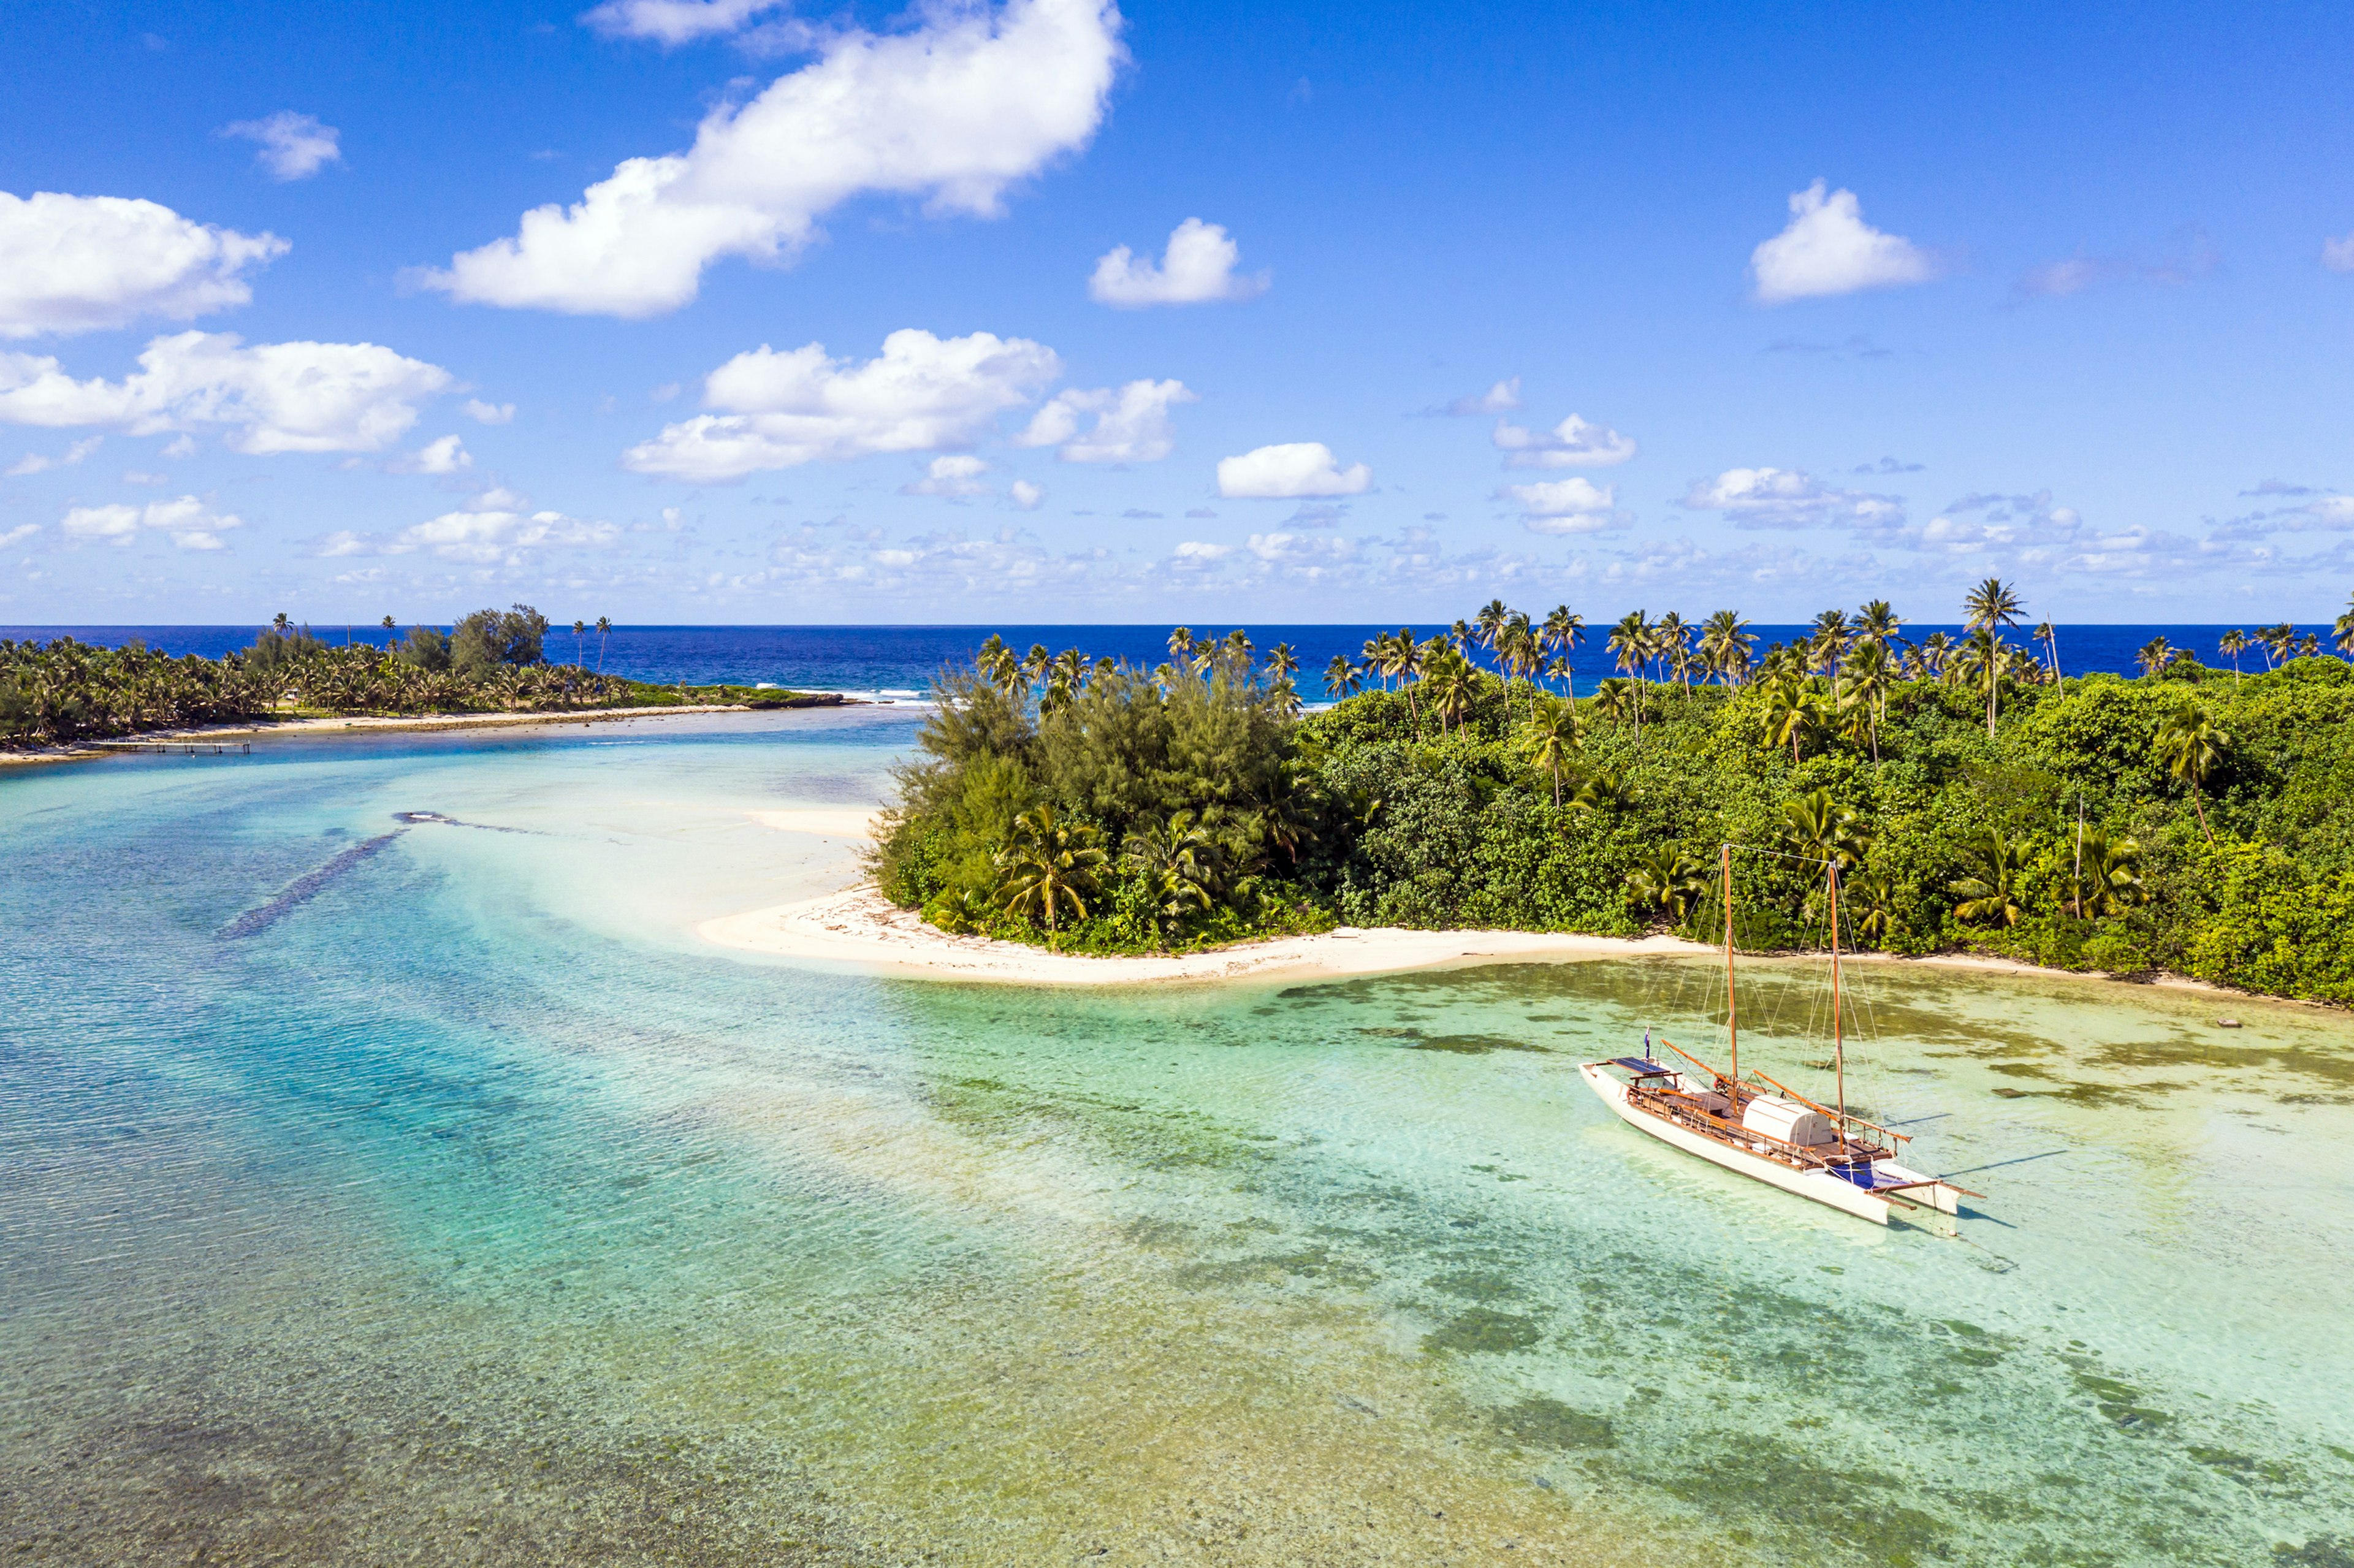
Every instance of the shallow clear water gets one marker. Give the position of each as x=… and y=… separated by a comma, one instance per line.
x=470, y=1209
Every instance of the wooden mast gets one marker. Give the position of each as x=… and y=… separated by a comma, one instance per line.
x=1732, y=1028
x=1839, y=1043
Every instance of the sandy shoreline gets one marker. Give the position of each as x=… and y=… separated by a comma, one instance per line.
x=201, y=734
x=857, y=927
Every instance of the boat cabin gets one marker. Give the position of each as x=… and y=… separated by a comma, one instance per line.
x=1787, y=1121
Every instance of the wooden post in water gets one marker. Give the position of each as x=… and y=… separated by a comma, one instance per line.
x=1732, y=1028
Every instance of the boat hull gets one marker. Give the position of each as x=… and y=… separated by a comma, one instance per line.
x=1932, y=1206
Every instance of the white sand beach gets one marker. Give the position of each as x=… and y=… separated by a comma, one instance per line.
x=857, y=925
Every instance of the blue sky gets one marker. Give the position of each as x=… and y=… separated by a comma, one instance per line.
x=1737, y=307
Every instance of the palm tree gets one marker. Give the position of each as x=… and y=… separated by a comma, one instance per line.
x=1935, y=651
x=2233, y=644
x=1869, y=905
x=1869, y=677
x=1551, y=735
x=2278, y=642
x=1604, y=791
x=2308, y=645
x=1563, y=634
x=2192, y=748
x=1991, y=891
x=1614, y=699
x=2154, y=656
x=1342, y=678
x=1049, y=866
x=1454, y=682
x=1401, y=658
x=1490, y=619
x=2047, y=636
x=1725, y=643
x=283, y=624
x=1668, y=881
x=1878, y=622
x=2107, y=874
x=1828, y=642
x=604, y=631
x=1630, y=645
x=2345, y=631
x=1819, y=828
x=1988, y=608
x=579, y=653
x=1180, y=865
x=1524, y=652
x=387, y=635
x=1671, y=637
x=1795, y=712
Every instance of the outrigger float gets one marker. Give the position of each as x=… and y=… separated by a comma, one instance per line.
x=1769, y=1132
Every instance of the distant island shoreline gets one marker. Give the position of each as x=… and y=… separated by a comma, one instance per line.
x=319, y=725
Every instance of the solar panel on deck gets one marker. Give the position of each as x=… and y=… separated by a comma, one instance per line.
x=1640, y=1067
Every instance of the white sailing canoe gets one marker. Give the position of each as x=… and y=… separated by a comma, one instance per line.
x=1923, y=1201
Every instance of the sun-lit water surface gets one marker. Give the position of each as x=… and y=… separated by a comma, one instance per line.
x=472, y=1210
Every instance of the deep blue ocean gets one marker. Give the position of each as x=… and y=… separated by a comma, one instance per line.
x=867, y=659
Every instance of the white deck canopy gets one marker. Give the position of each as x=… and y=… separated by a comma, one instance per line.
x=1787, y=1121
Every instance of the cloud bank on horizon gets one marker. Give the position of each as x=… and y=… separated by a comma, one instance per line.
x=983, y=225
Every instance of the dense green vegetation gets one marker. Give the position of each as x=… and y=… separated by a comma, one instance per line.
x=2194, y=819
x=491, y=662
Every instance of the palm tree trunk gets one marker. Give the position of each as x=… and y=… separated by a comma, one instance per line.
x=2201, y=810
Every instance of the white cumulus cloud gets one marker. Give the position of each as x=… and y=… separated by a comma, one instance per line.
x=271, y=398
x=445, y=455
x=1572, y=443
x=293, y=146
x=1789, y=498
x=954, y=112
x=72, y=263
x=785, y=409
x=1502, y=398
x=483, y=413
x=1827, y=248
x=1197, y=268
x=41, y=462
x=1131, y=424
x=1290, y=470
x=2338, y=254
x=489, y=538
x=1025, y=494
x=192, y=525
x=1574, y=505
x=953, y=478
x=674, y=21
x=18, y=534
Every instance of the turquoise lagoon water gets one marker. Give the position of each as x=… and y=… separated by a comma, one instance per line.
x=470, y=1209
